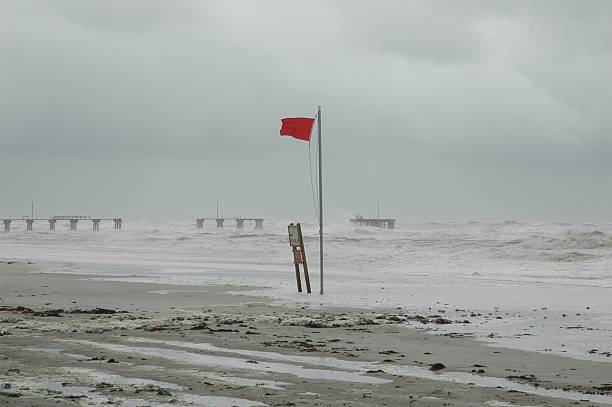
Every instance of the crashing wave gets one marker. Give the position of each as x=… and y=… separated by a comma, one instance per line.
x=570, y=240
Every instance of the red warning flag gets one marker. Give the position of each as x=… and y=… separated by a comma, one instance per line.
x=298, y=127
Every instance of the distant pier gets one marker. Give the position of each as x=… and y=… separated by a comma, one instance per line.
x=239, y=222
x=73, y=219
x=375, y=222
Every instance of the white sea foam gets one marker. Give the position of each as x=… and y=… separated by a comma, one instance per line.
x=540, y=275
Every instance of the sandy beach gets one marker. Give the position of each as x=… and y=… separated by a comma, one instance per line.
x=73, y=340
x=434, y=174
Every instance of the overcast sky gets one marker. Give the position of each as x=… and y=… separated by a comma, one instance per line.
x=442, y=110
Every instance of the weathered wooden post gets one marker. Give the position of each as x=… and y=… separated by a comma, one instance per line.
x=297, y=259
x=296, y=241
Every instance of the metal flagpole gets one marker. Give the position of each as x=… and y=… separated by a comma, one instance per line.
x=320, y=201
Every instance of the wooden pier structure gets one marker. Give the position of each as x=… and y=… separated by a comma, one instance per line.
x=73, y=219
x=239, y=222
x=375, y=222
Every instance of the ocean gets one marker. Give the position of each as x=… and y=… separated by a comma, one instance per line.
x=540, y=287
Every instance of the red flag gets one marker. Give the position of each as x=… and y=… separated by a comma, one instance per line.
x=298, y=127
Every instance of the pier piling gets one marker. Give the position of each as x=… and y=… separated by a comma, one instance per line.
x=239, y=222
x=374, y=222
x=74, y=220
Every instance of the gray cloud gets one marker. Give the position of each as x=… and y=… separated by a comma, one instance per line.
x=432, y=101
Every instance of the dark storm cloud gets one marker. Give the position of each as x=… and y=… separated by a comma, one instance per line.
x=426, y=93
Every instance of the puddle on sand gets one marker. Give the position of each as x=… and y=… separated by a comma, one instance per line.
x=219, y=401
x=57, y=351
x=266, y=384
x=226, y=362
x=496, y=403
x=356, y=375
x=140, y=403
x=311, y=360
x=52, y=390
x=238, y=381
x=192, y=400
x=491, y=382
x=112, y=378
x=67, y=391
x=54, y=351
x=184, y=399
x=400, y=370
x=116, y=379
x=308, y=393
x=87, y=395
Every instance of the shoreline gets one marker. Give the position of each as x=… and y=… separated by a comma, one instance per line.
x=543, y=323
x=188, y=336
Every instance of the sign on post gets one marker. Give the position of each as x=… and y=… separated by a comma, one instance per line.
x=297, y=256
x=296, y=241
x=294, y=236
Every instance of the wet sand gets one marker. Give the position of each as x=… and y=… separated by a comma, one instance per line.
x=72, y=340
